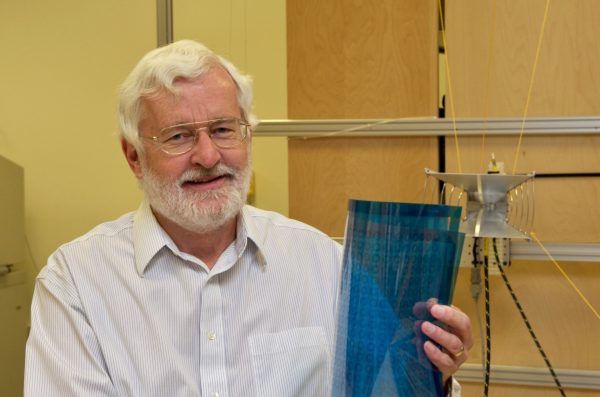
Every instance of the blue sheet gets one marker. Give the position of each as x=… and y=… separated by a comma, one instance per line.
x=397, y=256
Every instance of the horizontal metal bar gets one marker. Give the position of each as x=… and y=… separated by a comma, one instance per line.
x=576, y=252
x=427, y=127
x=528, y=376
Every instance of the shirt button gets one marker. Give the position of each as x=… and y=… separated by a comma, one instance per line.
x=213, y=336
x=214, y=394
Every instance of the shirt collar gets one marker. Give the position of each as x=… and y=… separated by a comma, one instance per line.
x=149, y=237
x=254, y=233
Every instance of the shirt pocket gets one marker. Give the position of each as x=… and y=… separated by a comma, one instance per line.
x=295, y=362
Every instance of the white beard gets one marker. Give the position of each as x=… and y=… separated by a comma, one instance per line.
x=198, y=212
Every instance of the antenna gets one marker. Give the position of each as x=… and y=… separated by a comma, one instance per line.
x=498, y=205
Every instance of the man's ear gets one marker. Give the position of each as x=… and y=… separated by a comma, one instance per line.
x=133, y=158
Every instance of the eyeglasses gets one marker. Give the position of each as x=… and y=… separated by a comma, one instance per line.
x=181, y=138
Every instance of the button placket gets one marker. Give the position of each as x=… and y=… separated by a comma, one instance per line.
x=212, y=350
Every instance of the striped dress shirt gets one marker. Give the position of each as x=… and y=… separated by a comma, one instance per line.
x=121, y=311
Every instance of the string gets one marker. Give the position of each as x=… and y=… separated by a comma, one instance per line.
x=487, y=85
x=583, y=298
x=458, y=161
x=535, y=63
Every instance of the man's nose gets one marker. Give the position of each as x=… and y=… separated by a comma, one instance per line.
x=205, y=152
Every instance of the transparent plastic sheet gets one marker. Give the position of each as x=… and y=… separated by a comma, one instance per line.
x=396, y=257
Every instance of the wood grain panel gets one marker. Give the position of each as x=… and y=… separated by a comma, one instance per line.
x=343, y=62
x=542, y=154
x=566, y=209
x=565, y=326
x=359, y=59
x=490, y=77
x=326, y=172
x=362, y=59
x=490, y=73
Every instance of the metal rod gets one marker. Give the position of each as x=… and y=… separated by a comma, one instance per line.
x=164, y=22
x=429, y=126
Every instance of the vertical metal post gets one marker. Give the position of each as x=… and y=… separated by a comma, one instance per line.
x=164, y=22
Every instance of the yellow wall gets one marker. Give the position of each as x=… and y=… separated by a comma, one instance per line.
x=253, y=36
x=60, y=68
x=60, y=71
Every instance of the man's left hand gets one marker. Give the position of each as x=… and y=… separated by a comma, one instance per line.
x=453, y=343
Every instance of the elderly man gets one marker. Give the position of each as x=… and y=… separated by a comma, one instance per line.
x=195, y=293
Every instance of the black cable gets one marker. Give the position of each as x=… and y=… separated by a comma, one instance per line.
x=441, y=149
x=475, y=293
x=488, y=339
x=474, y=252
x=526, y=320
x=568, y=175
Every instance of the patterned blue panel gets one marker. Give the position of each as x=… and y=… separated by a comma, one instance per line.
x=397, y=257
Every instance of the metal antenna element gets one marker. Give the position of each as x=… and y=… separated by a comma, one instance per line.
x=497, y=204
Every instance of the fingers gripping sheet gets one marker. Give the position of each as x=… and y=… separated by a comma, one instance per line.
x=397, y=257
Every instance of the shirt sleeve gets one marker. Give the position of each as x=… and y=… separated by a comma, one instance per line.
x=63, y=356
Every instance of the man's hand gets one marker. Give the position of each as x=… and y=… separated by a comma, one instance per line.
x=455, y=341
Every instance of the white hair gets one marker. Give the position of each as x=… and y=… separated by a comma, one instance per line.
x=159, y=69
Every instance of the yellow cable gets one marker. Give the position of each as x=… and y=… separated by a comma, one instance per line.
x=449, y=85
x=487, y=87
x=535, y=62
x=566, y=276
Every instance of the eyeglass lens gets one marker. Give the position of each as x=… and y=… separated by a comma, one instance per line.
x=181, y=138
